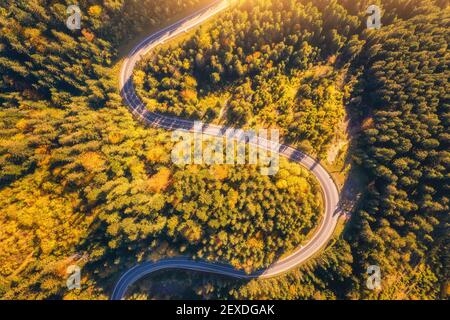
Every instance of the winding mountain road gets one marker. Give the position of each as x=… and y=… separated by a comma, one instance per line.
x=138, y=108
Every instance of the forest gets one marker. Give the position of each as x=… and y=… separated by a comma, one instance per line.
x=82, y=182
x=242, y=72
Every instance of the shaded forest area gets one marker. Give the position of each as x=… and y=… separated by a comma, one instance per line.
x=82, y=182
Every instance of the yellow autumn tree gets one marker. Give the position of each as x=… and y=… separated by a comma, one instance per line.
x=160, y=181
x=92, y=161
x=95, y=11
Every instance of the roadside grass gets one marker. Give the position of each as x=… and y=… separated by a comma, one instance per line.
x=339, y=168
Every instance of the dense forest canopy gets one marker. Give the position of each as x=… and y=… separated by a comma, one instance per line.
x=405, y=148
x=262, y=65
x=82, y=182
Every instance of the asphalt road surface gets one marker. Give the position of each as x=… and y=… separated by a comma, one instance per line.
x=137, y=107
